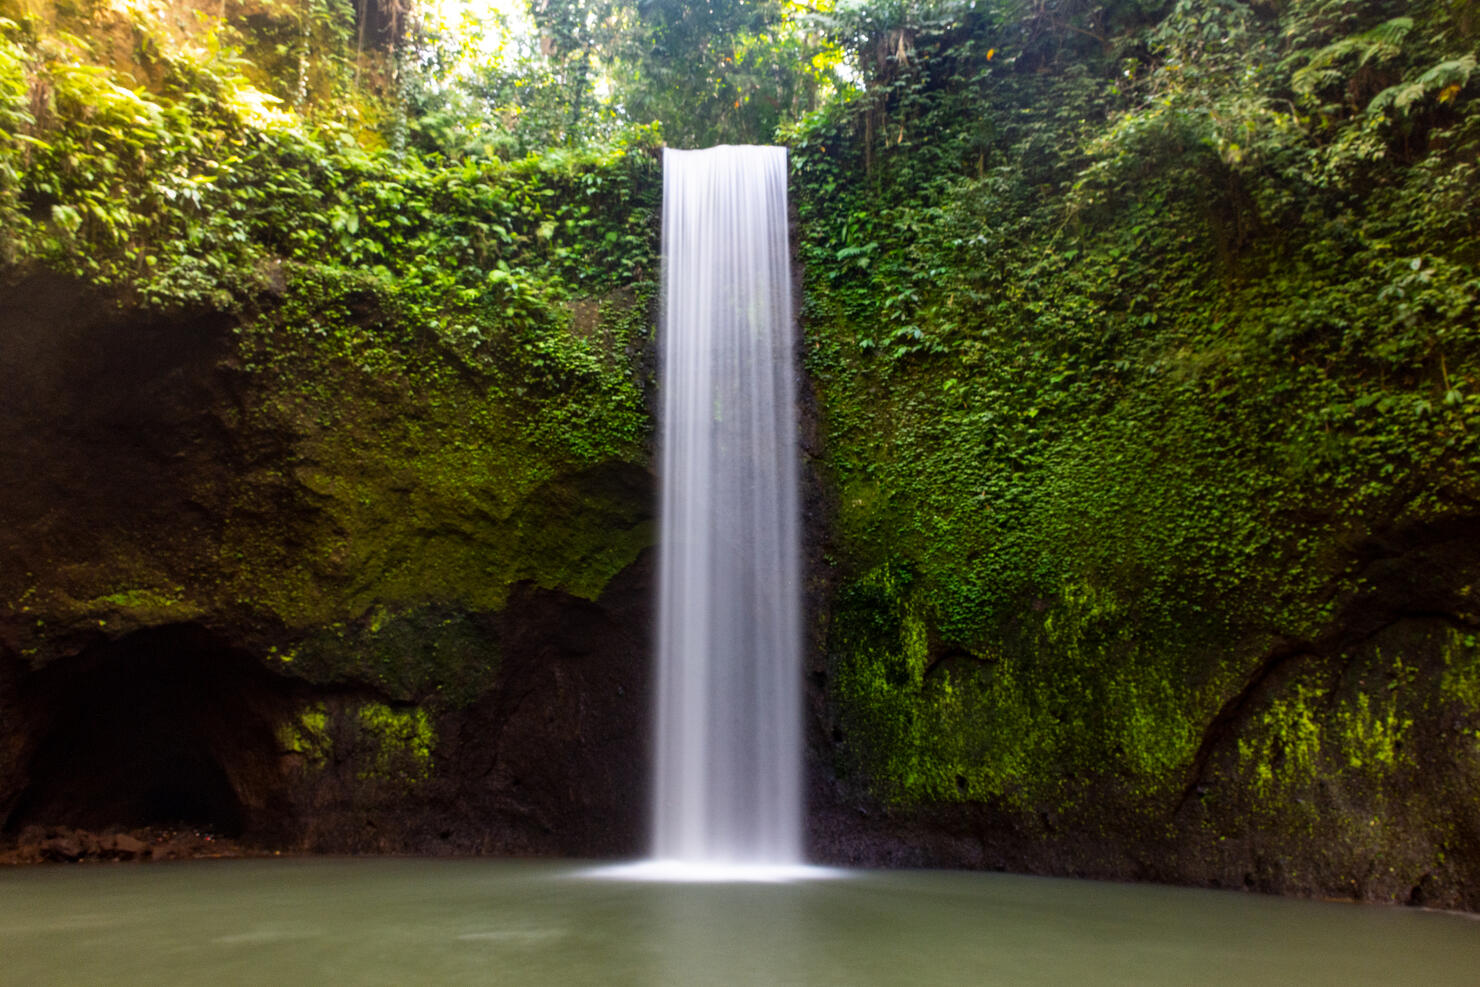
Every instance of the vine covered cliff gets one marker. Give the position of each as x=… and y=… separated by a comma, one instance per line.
x=328, y=453
x=1146, y=344
x=1141, y=411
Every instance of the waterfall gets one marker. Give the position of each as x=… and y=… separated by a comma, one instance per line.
x=728, y=758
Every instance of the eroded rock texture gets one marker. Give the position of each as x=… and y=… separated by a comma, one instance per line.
x=1344, y=762
x=332, y=591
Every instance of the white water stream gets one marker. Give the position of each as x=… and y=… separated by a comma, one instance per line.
x=728, y=758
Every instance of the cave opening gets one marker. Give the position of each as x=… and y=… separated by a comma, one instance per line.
x=167, y=727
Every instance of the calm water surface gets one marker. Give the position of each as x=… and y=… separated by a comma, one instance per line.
x=502, y=922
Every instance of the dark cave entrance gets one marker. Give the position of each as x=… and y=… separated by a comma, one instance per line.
x=165, y=727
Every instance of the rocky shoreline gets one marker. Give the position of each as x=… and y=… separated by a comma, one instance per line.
x=65, y=845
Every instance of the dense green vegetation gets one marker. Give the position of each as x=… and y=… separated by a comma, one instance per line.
x=1131, y=324
x=446, y=344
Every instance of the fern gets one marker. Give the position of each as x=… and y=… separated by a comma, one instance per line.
x=1332, y=64
x=1445, y=80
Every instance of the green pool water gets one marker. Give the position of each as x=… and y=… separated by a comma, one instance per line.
x=377, y=921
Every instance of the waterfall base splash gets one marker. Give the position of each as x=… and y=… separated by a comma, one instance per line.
x=688, y=872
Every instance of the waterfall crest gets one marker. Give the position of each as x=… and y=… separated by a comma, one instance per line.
x=728, y=759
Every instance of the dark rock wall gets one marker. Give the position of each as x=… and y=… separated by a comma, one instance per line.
x=550, y=760
x=235, y=595
x=117, y=432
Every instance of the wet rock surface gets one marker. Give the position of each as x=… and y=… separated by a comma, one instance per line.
x=65, y=845
x=1302, y=784
x=302, y=606
x=176, y=721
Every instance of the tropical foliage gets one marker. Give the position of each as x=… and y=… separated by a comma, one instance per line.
x=1129, y=321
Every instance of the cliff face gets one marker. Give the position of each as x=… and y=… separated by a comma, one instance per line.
x=1343, y=764
x=331, y=501
x=270, y=589
x=325, y=608
x=1146, y=353
x=1142, y=417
